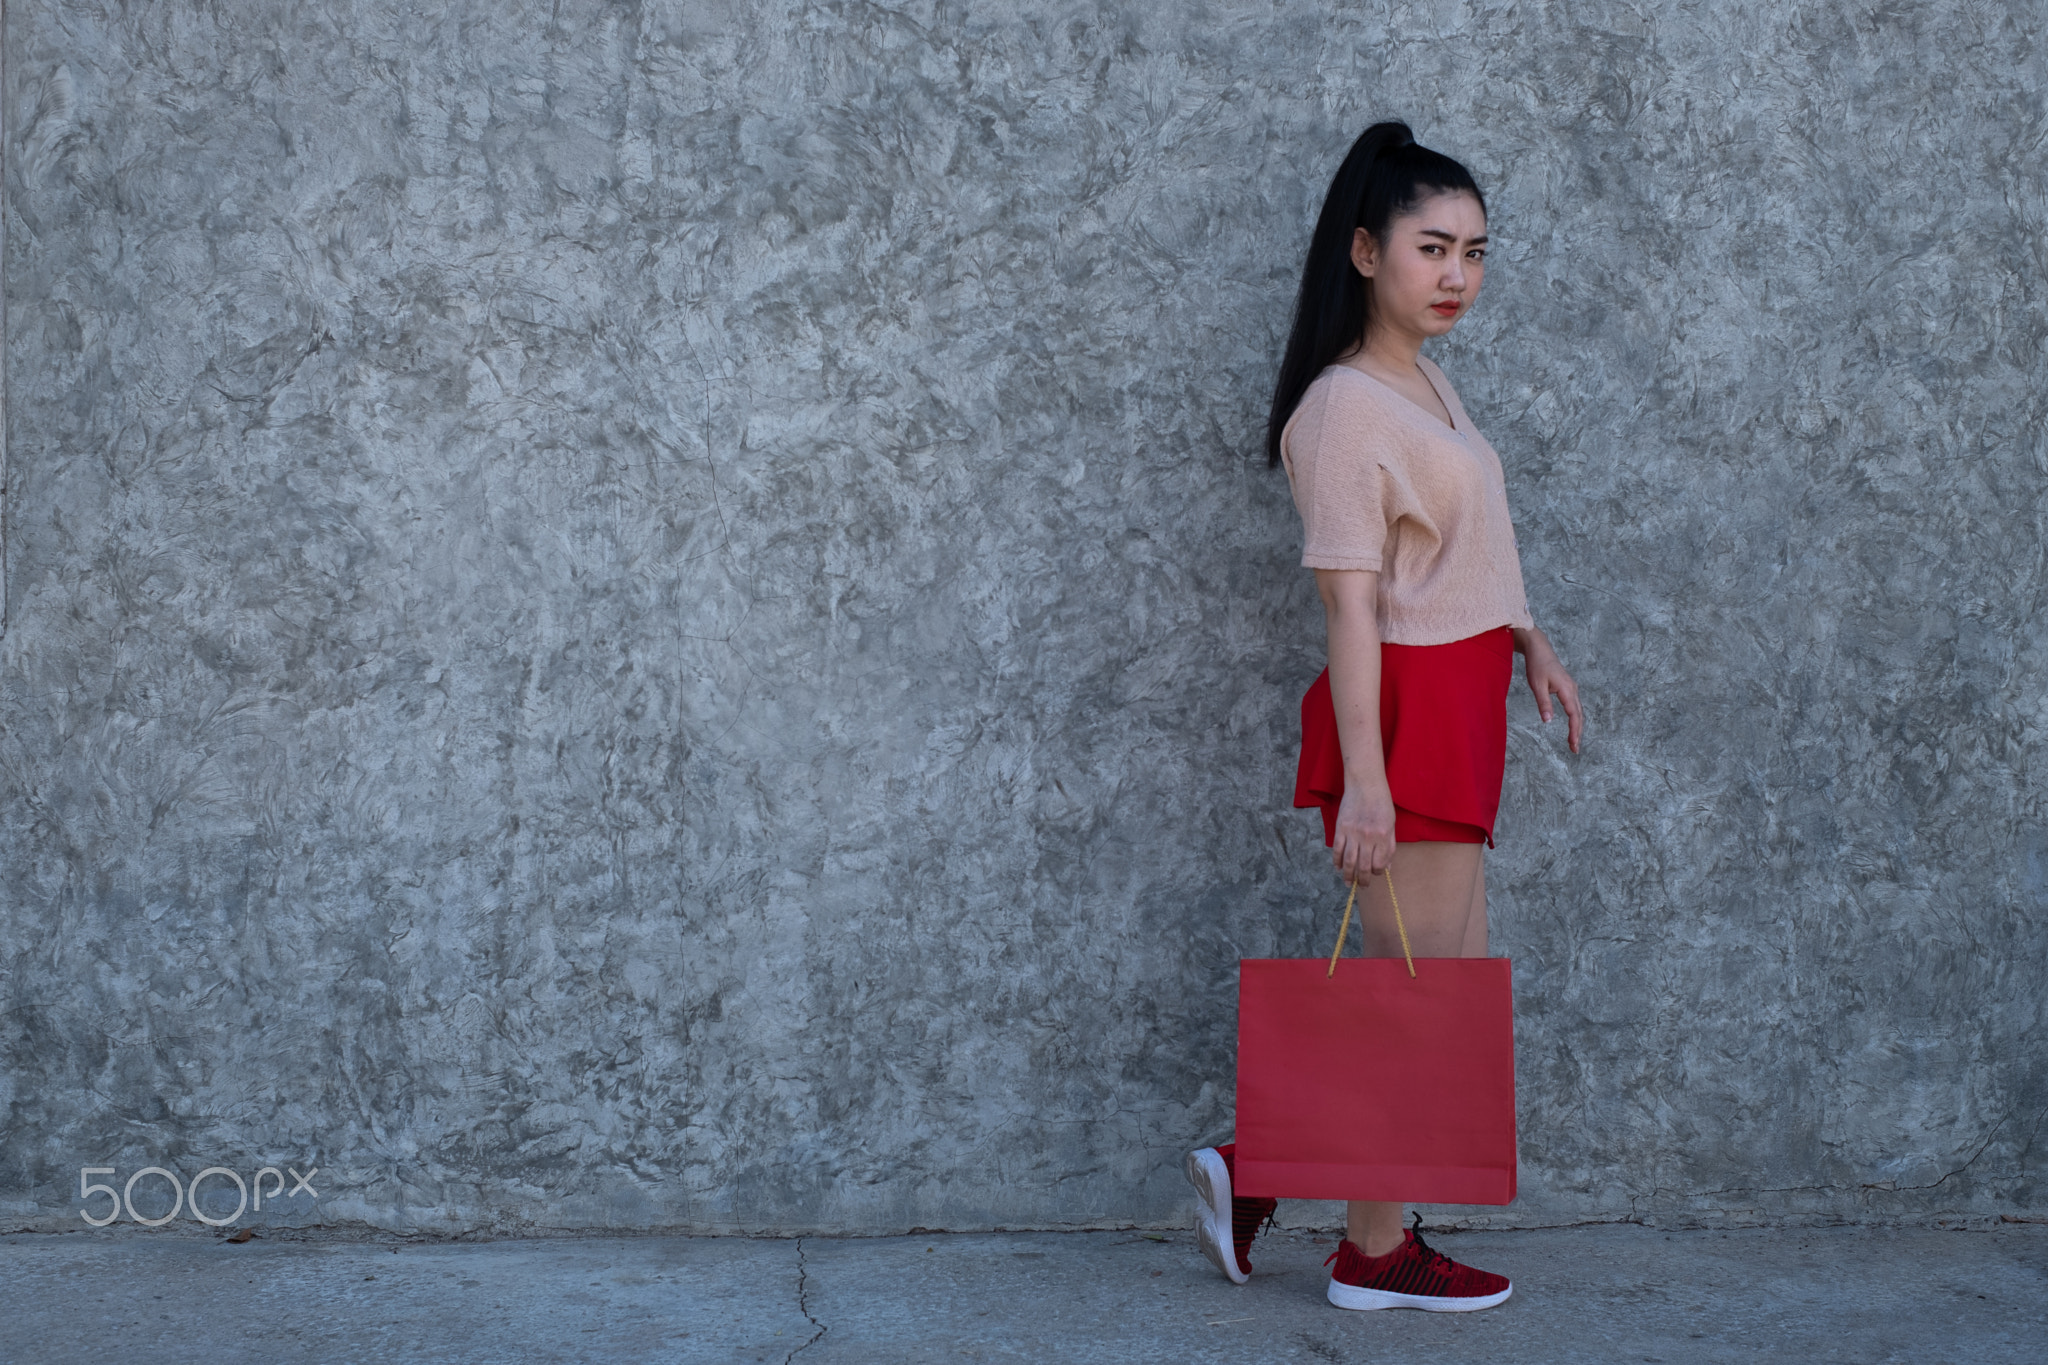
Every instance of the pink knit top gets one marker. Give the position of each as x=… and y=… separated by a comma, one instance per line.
x=1383, y=485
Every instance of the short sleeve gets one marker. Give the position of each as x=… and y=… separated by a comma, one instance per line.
x=1339, y=481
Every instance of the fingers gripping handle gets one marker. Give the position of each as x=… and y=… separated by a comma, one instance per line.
x=1344, y=929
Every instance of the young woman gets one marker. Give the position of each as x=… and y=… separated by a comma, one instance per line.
x=1404, y=736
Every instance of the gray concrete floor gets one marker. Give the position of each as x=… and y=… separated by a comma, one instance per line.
x=1625, y=1294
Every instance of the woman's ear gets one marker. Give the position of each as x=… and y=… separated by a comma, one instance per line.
x=1365, y=253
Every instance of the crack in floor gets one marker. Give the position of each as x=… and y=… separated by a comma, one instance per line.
x=803, y=1304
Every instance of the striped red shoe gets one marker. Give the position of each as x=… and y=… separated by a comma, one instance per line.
x=1412, y=1275
x=1225, y=1226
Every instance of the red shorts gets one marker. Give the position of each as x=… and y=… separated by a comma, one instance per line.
x=1444, y=729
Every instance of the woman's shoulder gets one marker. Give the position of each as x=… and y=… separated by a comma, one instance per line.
x=1348, y=407
x=1348, y=394
x=1324, y=419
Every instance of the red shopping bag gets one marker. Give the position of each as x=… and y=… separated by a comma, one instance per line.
x=1367, y=1082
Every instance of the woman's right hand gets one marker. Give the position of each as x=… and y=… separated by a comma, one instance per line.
x=1364, y=846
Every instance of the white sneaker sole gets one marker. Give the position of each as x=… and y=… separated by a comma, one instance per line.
x=1211, y=1178
x=1365, y=1300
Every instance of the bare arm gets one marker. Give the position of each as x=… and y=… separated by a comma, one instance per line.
x=1364, y=845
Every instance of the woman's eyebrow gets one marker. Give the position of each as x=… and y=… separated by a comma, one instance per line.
x=1452, y=237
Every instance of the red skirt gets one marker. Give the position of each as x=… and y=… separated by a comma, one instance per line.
x=1444, y=728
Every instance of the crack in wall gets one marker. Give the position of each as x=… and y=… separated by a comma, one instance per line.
x=1892, y=1187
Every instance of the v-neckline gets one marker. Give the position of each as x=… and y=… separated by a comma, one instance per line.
x=1434, y=420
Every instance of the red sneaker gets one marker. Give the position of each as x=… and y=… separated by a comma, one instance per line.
x=1212, y=1171
x=1412, y=1276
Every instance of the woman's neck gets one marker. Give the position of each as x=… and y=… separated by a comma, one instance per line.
x=1393, y=350
x=1385, y=354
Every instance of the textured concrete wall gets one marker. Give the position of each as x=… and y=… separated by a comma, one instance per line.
x=660, y=614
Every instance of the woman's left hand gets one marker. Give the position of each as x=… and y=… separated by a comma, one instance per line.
x=1547, y=678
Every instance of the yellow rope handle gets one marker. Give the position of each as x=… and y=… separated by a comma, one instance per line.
x=1397, y=922
x=1344, y=929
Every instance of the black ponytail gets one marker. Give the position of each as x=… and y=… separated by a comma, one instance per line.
x=1385, y=174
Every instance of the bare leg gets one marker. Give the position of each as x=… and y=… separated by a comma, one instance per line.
x=1475, y=922
x=1438, y=884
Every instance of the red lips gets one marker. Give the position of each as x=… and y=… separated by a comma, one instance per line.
x=1445, y=309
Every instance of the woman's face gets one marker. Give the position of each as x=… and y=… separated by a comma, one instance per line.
x=1427, y=271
